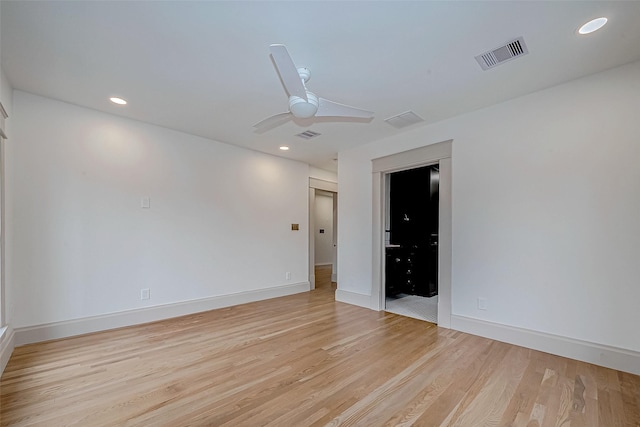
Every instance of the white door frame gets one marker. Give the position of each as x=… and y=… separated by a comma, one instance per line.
x=439, y=153
x=317, y=184
x=3, y=305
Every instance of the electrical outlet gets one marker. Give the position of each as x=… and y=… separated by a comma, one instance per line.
x=145, y=293
x=288, y=275
x=482, y=303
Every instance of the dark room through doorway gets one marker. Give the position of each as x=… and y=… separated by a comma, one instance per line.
x=411, y=243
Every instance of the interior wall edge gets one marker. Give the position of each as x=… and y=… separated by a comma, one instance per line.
x=7, y=344
x=598, y=354
x=354, y=298
x=64, y=329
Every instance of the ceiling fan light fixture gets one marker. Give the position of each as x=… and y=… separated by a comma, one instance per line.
x=593, y=25
x=301, y=108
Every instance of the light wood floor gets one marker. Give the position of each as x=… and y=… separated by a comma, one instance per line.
x=305, y=360
x=323, y=275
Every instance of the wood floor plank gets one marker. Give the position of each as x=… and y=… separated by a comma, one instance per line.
x=444, y=392
x=524, y=402
x=471, y=383
x=630, y=399
x=305, y=360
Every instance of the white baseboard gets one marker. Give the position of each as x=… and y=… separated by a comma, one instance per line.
x=7, y=343
x=334, y=277
x=55, y=330
x=353, y=298
x=598, y=354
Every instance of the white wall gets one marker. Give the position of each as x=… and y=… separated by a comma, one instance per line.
x=545, y=209
x=322, y=174
x=324, y=221
x=219, y=223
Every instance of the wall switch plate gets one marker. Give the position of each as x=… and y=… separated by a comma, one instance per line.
x=145, y=203
x=288, y=275
x=145, y=293
x=482, y=303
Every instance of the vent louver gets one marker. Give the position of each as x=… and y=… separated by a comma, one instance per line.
x=512, y=50
x=405, y=119
x=308, y=134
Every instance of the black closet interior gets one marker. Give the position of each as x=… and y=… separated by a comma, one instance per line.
x=412, y=247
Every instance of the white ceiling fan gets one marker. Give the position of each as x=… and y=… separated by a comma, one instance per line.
x=302, y=103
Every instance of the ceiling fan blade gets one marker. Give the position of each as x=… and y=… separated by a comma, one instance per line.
x=272, y=122
x=288, y=71
x=328, y=108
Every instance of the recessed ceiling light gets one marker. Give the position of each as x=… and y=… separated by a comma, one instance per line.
x=593, y=25
x=117, y=100
x=284, y=148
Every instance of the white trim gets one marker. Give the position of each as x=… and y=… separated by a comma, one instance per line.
x=314, y=190
x=353, y=298
x=86, y=325
x=312, y=237
x=598, y=354
x=3, y=233
x=322, y=184
x=378, y=273
x=334, y=238
x=430, y=154
x=7, y=344
x=413, y=158
x=445, y=243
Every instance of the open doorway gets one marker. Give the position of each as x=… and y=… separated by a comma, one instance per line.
x=440, y=154
x=323, y=233
x=411, y=242
x=325, y=230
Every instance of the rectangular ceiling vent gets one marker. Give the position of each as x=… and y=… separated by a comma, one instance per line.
x=512, y=50
x=308, y=134
x=405, y=119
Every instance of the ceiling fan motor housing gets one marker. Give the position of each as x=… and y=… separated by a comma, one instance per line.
x=301, y=108
x=304, y=73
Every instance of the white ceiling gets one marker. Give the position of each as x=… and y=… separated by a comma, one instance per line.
x=204, y=67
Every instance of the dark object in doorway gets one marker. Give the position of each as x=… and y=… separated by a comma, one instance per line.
x=412, y=254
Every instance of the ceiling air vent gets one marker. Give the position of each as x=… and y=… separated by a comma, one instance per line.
x=403, y=120
x=512, y=50
x=308, y=134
